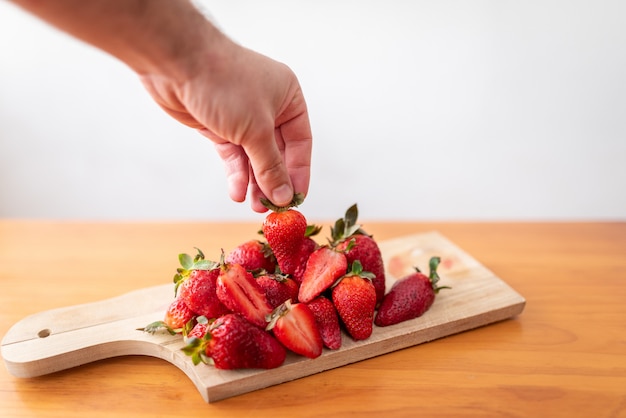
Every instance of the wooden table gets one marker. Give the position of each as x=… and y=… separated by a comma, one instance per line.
x=565, y=355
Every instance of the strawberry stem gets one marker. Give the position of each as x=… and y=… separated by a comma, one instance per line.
x=433, y=275
x=297, y=200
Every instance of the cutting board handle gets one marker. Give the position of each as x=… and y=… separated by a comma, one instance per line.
x=62, y=338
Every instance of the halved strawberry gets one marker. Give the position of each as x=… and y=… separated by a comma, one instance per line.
x=295, y=327
x=238, y=291
x=323, y=268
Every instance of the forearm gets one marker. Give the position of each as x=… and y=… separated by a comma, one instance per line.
x=164, y=36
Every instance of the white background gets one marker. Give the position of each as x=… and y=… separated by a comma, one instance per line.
x=421, y=110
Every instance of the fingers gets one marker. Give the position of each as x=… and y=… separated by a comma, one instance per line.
x=235, y=166
x=297, y=139
x=270, y=172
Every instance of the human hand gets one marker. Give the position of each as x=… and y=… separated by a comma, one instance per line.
x=253, y=109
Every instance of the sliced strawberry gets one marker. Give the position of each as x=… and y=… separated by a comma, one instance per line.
x=295, y=327
x=327, y=321
x=323, y=269
x=238, y=290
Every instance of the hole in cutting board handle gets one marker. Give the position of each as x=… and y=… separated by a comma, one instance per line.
x=44, y=333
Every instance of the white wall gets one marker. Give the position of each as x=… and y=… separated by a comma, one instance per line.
x=469, y=110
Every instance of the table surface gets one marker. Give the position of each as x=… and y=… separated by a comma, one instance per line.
x=565, y=355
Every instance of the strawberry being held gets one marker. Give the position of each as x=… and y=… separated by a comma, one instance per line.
x=410, y=296
x=285, y=230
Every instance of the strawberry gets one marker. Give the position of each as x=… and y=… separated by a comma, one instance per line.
x=178, y=314
x=189, y=264
x=253, y=255
x=323, y=268
x=354, y=297
x=285, y=230
x=199, y=293
x=199, y=330
x=238, y=290
x=278, y=288
x=295, y=327
x=348, y=236
x=327, y=321
x=410, y=296
x=234, y=343
x=307, y=248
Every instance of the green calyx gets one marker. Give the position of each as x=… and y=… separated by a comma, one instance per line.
x=279, y=311
x=297, y=200
x=347, y=226
x=196, y=347
x=356, y=269
x=189, y=263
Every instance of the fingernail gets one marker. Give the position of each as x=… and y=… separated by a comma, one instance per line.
x=282, y=195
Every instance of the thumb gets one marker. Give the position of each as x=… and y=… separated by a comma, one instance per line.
x=270, y=171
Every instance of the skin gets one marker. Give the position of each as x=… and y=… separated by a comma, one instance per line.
x=249, y=105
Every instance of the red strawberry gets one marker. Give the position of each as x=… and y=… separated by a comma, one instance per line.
x=238, y=290
x=278, y=288
x=288, y=235
x=294, y=326
x=199, y=293
x=307, y=248
x=410, y=296
x=234, y=343
x=348, y=236
x=354, y=297
x=327, y=321
x=323, y=268
x=253, y=255
x=178, y=314
x=199, y=330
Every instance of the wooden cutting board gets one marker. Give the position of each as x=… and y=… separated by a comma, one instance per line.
x=68, y=337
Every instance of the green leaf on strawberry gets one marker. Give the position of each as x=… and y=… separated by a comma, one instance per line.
x=188, y=264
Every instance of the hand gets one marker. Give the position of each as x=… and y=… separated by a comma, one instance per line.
x=253, y=109
x=250, y=106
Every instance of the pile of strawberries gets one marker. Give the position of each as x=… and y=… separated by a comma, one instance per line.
x=288, y=292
